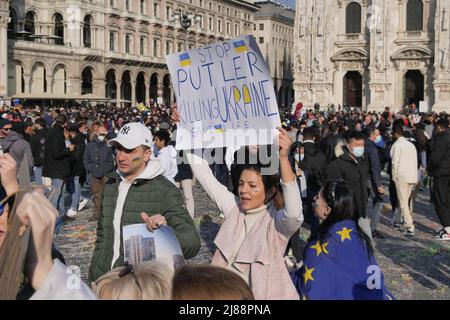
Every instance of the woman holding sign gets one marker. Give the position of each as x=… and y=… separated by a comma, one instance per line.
x=254, y=235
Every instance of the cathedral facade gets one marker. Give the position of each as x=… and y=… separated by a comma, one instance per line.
x=373, y=54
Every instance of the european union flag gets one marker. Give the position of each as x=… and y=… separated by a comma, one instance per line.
x=185, y=60
x=340, y=268
x=240, y=46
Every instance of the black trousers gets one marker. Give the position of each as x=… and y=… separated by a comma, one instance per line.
x=441, y=199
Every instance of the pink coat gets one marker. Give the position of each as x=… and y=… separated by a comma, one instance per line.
x=269, y=277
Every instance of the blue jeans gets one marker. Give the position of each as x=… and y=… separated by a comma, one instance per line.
x=38, y=175
x=57, y=200
x=377, y=204
x=74, y=187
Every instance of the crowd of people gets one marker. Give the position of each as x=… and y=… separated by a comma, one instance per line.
x=330, y=177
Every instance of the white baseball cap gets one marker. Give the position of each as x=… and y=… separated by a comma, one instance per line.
x=133, y=135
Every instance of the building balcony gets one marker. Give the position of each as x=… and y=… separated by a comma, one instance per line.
x=113, y=12
x=414, y=37
x=42, y=45
x=351, y=39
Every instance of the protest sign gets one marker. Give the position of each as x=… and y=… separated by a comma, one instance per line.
x=225, y=95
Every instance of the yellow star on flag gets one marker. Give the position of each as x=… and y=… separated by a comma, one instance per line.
x=308, y=274
x=320, y=248
x=345, y=234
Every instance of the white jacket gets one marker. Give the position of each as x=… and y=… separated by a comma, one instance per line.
x=404, y=161
x=167, y=157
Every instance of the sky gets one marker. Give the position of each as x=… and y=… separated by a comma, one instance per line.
x=290, y=3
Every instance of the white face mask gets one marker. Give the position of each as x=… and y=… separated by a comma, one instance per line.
x=299, y=157
x=101, y=138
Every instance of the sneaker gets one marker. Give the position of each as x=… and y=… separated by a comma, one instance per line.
x=410, y=232
x=437, y=234
x=377, y=235
x=82, y=204
x=443, y=235
x=71, y=213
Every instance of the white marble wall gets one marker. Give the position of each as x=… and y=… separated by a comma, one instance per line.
x=382, y=53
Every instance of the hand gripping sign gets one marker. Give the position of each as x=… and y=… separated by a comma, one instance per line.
x=225, y=95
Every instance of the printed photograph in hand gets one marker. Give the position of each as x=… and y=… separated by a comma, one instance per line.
x=141, y=245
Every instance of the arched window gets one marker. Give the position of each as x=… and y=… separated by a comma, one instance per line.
x=29, y=24
x=127, y=43
x=414, y=15
x=86, y=81
x=142, y=7
x=87, y=31
x=12, y=25
x=353, y=18
x=59, y=28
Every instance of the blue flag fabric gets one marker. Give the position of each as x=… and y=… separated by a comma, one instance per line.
x=340, y=268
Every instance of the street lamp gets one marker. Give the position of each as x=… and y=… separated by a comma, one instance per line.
x=186, y=18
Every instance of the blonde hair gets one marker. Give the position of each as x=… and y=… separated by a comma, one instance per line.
x=154, y=279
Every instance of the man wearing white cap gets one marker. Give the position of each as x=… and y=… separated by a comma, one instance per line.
x=138, y=192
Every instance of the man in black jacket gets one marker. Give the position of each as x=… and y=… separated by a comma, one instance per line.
x=57, y=164
x=329, y=143
x=314, y=167
x=37, y=149
x=351, y=166
x=374, y=183
x=439, y=168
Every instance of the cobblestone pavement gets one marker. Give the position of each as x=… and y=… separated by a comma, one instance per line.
x=414, y=268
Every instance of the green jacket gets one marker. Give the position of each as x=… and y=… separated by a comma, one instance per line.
x=151, y=195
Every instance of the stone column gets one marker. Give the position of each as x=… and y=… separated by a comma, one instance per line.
x=160, y=91
x=27, y=88
x=133, y=93
x=172, y=95
x=118, y=92
x=99, y=87
x=49, y=80
x=3, y=56
x=147, y=93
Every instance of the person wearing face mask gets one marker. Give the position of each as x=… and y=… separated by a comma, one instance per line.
x=352, y=166
x=98, y=160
